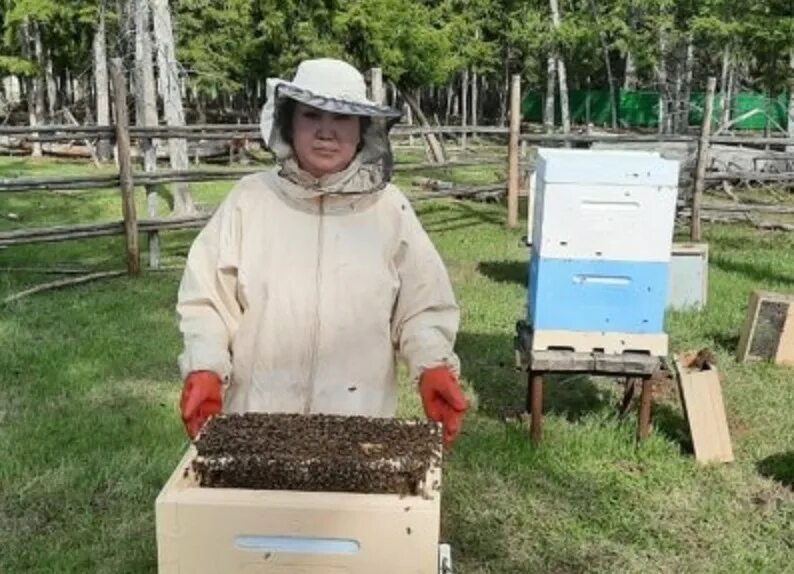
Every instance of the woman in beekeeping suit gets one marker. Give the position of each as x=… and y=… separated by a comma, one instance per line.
x=312, y=278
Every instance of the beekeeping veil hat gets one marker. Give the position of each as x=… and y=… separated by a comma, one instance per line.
x=334, y=86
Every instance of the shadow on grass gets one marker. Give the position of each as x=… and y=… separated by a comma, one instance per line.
x=574, y=396
x=779, y=467
x=488, y=363
x=763, y=273
x=670, y=423
x=734, y=244
x=461, y=215
x=505, y=271
x=726, y=341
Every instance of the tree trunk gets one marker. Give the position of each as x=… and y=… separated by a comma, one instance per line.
x=31, y=89
x=101, y=81
x=431, y=139
x=474, y=97
x=630, y=73
x=170, y=92
x=726, y=58
x=52, y=87
x=565, y=109
x=34, y=88
x=633, y=16
x=790, y=129
x=145, y=95
x=201, y=108
x=124, y=45
x=727, y=97
x=587, y=110
x=551, y=79
x=39, y=81
x=662, y=80
x=561, y=73
x=677, y=86
x=12, y=90
x=503, y=91
x=76, y=93
x=146, y=114
x=67, y=88
x=464, y=105
x=409, y=117
x=610, y=77
x=376, y=85
x=82, y=90
x=482, y=98
x=690, y=60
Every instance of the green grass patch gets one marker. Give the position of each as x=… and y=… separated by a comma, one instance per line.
x=89, y=426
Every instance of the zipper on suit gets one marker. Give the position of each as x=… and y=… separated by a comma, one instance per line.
x=318, y=279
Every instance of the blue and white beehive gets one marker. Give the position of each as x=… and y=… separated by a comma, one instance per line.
x=602, y=234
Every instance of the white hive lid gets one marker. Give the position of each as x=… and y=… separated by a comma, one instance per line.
x=617, y=167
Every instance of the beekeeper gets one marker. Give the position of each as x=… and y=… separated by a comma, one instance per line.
x=311, y=279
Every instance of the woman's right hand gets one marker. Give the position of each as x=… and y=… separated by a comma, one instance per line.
x=201, y=399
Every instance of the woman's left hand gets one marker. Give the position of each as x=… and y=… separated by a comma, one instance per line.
x=443, y=400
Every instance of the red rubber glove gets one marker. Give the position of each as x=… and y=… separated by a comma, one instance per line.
x=443, y=400
x=201, y=398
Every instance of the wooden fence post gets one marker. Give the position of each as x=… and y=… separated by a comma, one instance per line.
x=695, y=232
x=512, y=152
x=125, y=167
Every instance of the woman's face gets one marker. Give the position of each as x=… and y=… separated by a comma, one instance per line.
x=323, y=142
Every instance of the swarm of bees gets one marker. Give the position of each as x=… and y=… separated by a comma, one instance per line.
x=326, y=453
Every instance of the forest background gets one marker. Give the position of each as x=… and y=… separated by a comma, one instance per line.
x=453, y=58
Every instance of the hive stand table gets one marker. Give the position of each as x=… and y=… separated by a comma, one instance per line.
x=635, y=367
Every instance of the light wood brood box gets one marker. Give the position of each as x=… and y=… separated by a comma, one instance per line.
x=230, y=530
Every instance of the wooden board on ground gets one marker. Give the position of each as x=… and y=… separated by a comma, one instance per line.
x=630, y=364
x=768, y=330
x=701, y=397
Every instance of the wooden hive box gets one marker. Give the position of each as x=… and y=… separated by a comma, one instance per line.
x=242, y=530
x=768, y=330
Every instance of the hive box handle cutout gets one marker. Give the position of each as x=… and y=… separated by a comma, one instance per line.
x=297, y=544
x=611, y=205
x=601, y=279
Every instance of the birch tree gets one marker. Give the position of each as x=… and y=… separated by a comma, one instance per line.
x=35, y=87
x=101, y=80
x=146, y=112
x=562, y=75
x=170, y=92
x=790, y=119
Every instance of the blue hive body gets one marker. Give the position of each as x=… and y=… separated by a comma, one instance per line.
x=601, y=241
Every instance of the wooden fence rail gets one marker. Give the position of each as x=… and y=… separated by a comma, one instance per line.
x=712, y=212
x=106, y=181
x=251, y=131
x=104, y=229
x=126, y=179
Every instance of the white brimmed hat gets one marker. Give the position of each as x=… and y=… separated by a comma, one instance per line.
x=325, y=83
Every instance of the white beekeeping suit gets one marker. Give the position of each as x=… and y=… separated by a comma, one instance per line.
x=301, y=293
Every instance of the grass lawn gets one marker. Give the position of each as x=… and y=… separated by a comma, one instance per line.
x=89, y=426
